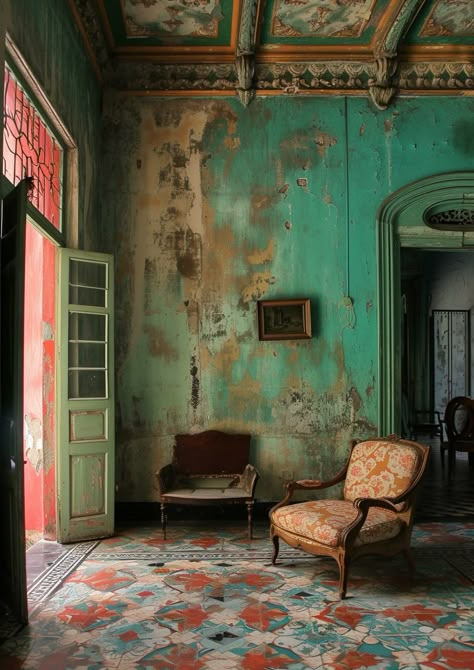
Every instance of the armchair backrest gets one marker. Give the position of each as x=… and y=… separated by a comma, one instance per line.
x=459, y=418
x=211, y=452
x=383, y=468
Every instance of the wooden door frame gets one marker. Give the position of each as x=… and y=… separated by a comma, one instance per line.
x=400, y=224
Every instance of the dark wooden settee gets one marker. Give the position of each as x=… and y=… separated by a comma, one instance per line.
x=208, y=468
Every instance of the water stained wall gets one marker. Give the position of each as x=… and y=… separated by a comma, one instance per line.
x=210, y=206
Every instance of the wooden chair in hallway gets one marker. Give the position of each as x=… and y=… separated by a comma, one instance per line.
x=375, y=515
x=457, y=431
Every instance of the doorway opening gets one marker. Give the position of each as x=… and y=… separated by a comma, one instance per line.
x=402, y=224
x=437, y=301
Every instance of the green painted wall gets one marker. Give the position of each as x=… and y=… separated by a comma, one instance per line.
x=45, y=33
x=204, y=212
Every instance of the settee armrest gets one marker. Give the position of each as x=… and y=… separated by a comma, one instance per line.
x=248, y=479
x=166, y=477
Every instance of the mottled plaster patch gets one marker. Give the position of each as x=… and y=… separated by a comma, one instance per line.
x=262, y=256
x=157, y=344
x=232, y=143
x=259, y=202
x=257, y=286
x=224, y=358
x=218, y=275
x=241, y=392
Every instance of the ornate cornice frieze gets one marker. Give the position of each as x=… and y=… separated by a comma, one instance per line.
x=174, y=77
x=436, y=77
x=294, y=78
x=290, y=78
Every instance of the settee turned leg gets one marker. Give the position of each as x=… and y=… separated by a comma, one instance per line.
x=249, y=519
x=163, y=520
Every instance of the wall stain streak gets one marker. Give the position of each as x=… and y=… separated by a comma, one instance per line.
x=157, y=345
x=194, y=371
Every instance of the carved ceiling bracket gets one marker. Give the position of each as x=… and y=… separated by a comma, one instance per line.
x=246, y=47
x=383, y=87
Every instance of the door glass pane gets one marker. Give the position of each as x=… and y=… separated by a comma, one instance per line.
x=87, y=384
x=87, y=283
x=87, y=355
x=84, y=326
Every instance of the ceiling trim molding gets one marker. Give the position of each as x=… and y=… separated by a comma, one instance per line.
x=292, y=78
x=380, y=69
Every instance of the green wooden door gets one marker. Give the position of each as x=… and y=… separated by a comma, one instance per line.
x=86, y=440
x=12, y=524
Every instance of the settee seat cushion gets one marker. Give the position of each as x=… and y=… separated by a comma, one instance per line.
x=207, y=494
x=323, y=521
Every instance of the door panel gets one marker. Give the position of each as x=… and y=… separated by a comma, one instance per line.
x=86, y=463
x=451, y=355
x=12, y=524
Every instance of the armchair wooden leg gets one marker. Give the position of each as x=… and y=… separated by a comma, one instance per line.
x=249, y=519
x=163, y=519
x=343, y=562
x=276, y=548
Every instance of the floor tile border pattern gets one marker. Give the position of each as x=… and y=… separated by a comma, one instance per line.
x=52, y=578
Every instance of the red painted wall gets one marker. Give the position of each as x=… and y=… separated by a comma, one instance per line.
x=38, y=377
x=49, y=388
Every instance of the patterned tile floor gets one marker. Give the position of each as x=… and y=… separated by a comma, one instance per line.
x=210, y=599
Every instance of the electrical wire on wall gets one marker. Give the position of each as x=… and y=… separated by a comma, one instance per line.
x=347, y=302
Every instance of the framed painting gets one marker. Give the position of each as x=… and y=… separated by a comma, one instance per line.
x=284, y=319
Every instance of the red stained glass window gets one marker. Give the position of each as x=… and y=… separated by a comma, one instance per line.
x=31, y=150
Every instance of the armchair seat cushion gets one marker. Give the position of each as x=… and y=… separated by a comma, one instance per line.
x=206, y=494
x=323, y=521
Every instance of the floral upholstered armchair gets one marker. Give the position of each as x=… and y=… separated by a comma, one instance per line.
x=375, y=515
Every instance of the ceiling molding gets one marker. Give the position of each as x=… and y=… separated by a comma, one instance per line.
x=383, y=65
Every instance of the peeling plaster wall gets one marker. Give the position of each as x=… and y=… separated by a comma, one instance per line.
x=50, y=42
x=209, y=206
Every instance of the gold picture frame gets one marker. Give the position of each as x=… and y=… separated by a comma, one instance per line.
x=284, y=319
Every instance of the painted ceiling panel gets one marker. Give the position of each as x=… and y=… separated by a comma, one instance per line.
x=160, y=23
x=325, y=19
x=151, y=18
x=444, y=22
x=450, y=17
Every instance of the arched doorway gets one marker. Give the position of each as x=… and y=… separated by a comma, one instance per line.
x=401, y=223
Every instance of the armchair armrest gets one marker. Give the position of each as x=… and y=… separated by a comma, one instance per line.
x=248, y=479
x=310, y=485
x=166, y=477
x=386, y=503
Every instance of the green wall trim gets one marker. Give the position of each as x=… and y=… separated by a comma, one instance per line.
x=400, y=224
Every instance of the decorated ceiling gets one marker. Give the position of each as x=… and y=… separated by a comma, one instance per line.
x=255, y=47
